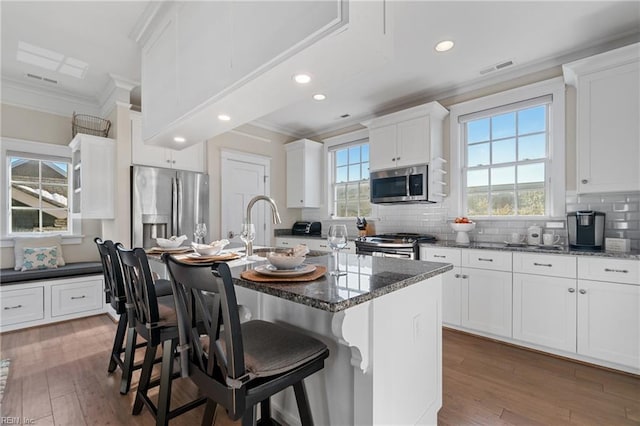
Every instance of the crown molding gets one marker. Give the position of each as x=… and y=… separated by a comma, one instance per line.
x=146, y=22
x=17, y=93
x=117, y=90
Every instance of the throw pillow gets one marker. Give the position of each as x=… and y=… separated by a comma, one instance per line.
x=40, y=258
x=20, y=243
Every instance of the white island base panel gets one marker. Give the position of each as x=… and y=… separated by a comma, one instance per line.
x=385, y=362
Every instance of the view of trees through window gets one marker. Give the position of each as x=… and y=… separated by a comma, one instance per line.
x=39, y=194
x=351, y=181
x=506, y=160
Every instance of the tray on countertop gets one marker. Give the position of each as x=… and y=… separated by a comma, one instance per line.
x=253, y=275
x=190, y=258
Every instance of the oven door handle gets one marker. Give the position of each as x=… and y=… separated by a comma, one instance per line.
x=395, y=255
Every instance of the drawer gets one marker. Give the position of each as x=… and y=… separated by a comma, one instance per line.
x=545, y=264
x=22, y=305
x=76, y=297
x=437, y=254
x=612, y=270
x=487, y=259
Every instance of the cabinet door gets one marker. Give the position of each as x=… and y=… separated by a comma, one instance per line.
x=382, y=151
x=608, y=132
x=451, y=297
x=190, y=158
x=22, y=305
x=544, y=311
x=486, y=301
x=609, y=322
x=412, y=146
x=147, y=155
x=295, y=178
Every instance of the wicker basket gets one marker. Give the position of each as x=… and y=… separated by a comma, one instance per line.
x=90, y=125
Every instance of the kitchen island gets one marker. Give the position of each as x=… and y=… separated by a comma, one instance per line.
x=382, y=324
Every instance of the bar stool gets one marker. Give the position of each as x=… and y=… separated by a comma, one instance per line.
x=116, y=296
x=157, y=324
x=237, y=365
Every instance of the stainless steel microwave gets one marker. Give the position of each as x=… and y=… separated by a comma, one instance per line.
x=401, y=185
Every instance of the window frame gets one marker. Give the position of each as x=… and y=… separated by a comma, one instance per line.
x=40, y=151
x=358, y=137
x=555, y=186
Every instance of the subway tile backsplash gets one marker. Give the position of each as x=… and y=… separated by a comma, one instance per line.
x=622, y=219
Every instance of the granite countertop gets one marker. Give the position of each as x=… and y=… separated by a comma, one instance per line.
x=634, y=254
x=368, y=277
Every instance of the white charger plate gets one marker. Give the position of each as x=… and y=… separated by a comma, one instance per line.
x=272, y=271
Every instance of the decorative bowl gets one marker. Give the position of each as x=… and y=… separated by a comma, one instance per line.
x=210, y=249
x=173, y=242
x=464, y=227
x=284, y=260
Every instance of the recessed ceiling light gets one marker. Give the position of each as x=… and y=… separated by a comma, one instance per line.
x=444, y=45
x=179, y=139
x=224, y=117
x=319, y=97
x=302, y=78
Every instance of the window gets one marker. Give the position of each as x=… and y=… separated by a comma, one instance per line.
x=506, y=160
x=39, y=190
x=509, y=149
x=350, y=180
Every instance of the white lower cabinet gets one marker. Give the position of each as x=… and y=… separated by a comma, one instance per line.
x=486, y=301
x=544, y=311
x=22, y=305
x=451, y=281
x=76, y=297
x=35, y=303
x=609, y=322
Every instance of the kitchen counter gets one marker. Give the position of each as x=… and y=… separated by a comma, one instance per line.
x=367, y=278
x=634, y=254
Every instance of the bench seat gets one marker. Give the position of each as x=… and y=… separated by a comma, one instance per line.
x=11, y=276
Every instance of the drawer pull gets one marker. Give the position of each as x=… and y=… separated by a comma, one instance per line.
x=78, y=297
x=548, y=265
x=482, y=259
x=572, y=290
x=12, y=307
x=439, y=256
x=624, y=271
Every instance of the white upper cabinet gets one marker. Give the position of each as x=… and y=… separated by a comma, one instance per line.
x=406, y=138
x=191, y=158
x=94, y=165
x=608, y=111
x=304, y=174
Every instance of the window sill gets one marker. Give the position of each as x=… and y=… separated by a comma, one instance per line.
x=66, y=239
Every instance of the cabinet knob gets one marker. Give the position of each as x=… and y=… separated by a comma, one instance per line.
x=572, y=290
x=397, y=158
x=301, y=201
x=457, y=275
x=174, y=161
x=584, y=181
x=583, y=291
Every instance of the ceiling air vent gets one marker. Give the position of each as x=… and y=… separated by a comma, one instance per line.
x=496, y=67
x=40, y=78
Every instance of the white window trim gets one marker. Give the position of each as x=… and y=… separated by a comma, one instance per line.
x=556, y=161
x=10, y=144
x=329, y=144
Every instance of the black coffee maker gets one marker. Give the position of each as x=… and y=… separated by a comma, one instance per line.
x=586, y=230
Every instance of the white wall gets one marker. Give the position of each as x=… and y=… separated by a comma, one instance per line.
x=239, y=142
x=21, y=123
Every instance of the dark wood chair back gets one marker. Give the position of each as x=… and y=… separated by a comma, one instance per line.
x=113, y=280
x=140, y=290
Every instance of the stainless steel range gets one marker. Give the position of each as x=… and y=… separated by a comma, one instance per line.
x=401, y=245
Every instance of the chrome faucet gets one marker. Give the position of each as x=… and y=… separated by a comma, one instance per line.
x=274, y=213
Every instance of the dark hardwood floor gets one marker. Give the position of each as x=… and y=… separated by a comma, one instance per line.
x=58, y=377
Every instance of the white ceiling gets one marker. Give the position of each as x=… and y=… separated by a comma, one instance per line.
x=534, y=35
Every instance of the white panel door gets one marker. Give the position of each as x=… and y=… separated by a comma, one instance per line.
x=241, y=181
x=609, y=321
x=544, y=311
x=295, y=178
x=451, y=297
x=486, y=301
